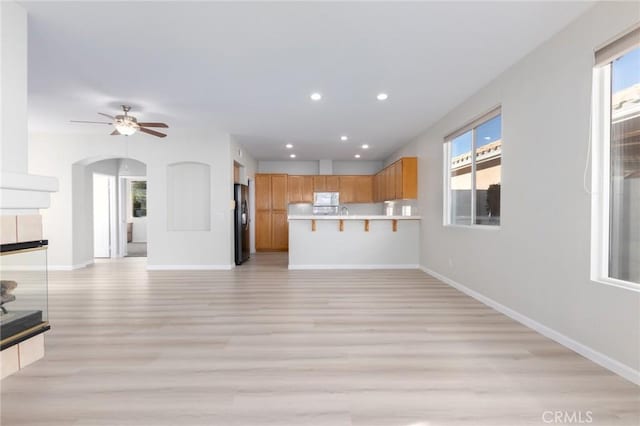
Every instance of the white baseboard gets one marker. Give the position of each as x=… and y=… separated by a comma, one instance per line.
x=306, y=267
x=599, y=358
x=70, y=267
x=189, y=267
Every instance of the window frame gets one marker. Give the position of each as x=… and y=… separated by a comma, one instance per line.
x=447, y=207
x=601, y=178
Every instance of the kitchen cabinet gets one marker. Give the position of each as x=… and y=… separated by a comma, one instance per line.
x=307, y=189
x=272, y=199
x=397, y=181
x=363, y=189
x=263, y=192
x=332, y=183
x=324, y=183
x=295, y=188
x=347, y=189
x=390, y=177
x=300, y=189
x=279, y=230
x=356, y=189
x=263, y=230
x=279, y=192
x=319, y=183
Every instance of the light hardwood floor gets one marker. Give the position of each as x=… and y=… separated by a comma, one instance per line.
x=261, y=345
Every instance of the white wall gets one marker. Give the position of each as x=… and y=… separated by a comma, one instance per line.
x=289, y=167
x=13, y=86
x=356, y=167
x=57, y=155
x=340, y=167
x=129, y=167
x=538, y=263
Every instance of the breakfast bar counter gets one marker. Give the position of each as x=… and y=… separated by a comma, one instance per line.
x=353, y=242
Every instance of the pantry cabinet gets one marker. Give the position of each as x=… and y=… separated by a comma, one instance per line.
x=272, y=200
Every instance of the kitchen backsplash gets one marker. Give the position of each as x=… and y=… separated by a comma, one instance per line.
x=389, y=208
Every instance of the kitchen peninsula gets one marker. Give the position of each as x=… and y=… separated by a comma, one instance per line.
x=353, y=242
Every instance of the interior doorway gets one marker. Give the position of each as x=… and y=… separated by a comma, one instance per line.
x=104, y=216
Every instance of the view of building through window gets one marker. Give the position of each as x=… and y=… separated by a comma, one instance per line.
x=475, y=197
x=624, y=207
x=139, y=198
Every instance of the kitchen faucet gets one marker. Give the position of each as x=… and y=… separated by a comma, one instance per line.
x=344, y=210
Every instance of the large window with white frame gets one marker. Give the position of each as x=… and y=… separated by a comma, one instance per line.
x=473, y=158
x=616, y=163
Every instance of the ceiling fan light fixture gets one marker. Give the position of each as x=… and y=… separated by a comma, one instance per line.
x=126, y=125
x=125, y=129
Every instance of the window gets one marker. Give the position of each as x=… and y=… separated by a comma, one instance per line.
x=139, y=198
x=616, y=163
x=473, y=165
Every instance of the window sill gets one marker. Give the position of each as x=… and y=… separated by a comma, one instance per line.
x=617, y=283
x=484, y=227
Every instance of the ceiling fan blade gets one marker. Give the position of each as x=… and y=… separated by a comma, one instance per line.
x=154, y=125
x=152, y=132
x=115, y=133
x=107, y=115
x=89, y=122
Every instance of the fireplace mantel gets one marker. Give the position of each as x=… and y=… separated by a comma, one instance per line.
x=19, y=191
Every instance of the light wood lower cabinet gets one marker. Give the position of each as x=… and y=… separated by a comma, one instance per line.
x=263, y=230
x=279, y=230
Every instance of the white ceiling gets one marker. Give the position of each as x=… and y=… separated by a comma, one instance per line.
x=248, y=68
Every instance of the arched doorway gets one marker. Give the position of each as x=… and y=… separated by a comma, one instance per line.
x=109, y=208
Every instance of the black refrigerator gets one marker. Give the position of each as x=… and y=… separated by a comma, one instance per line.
x=241, y=222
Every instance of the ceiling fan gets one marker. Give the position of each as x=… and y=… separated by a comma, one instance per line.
x=126, y=124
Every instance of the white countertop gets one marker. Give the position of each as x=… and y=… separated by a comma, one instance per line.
x=351, y=217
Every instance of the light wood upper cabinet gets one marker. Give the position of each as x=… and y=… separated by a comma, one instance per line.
x=397, y=178
x=332, y=183
x=295, y=186
x=263, y=192
x=409, y=177
x=356, y=189
x=279, y=192
x=300, y=189
x=319, y=183
x=397, y=181
x=307, y=189
x=347, y=189
x=363, y=189
x=391, y=183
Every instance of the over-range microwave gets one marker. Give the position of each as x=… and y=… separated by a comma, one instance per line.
x=326, y=199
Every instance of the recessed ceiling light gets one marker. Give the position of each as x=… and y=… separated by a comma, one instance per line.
x=487, y=138
x=365, y=146
x=382, y=96
x=292, y=156
x=357, y=155
x=315, y=96
x=344, y=138
x=289, y=146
